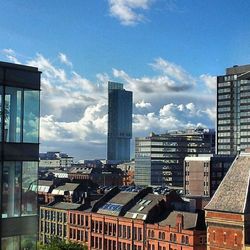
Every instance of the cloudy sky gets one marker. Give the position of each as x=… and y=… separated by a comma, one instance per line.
x=167, y=52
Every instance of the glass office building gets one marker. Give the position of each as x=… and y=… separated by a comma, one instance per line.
x=159, y=159
x=233, y=110
x=119, y=122
x=19, y=152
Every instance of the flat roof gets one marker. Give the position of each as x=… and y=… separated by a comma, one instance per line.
x=18, y=66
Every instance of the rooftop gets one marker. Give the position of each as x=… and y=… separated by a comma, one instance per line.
x=66, y=205
x=232, y=193
x=18, y=66
x=190, y=220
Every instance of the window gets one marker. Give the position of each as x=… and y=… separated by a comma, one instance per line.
x=21, y=115
x=235, y=239
x=29, y=188
x=213, y=235
x=31, y=116
x=11, y=189
x=12, y=114
x=19, y=188
x=224, y=237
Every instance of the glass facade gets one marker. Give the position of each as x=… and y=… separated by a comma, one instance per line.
x=19, y=150
x=159, y=158
x=119, y=122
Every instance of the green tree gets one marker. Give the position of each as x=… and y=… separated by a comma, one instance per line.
x=58, y=244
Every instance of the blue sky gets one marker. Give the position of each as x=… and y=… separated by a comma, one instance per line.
x=167, y=52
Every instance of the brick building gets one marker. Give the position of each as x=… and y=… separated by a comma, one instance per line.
x=228, y=212
x=54, y=220
x=104, y=176
x=137, y=220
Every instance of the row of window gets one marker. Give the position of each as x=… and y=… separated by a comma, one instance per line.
x=53, y=215
x=79, y=219
x=215, y=235
x=224, y=84
x=79, y=235
x=53, y=229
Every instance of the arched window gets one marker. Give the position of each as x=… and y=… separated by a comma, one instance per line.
x=163, y=236
x=174, y=237
x=224, y=237
x=152, y=234
x=182, y=239
x=171, y=237
x=187, y=240
x=160, y=236
x=149, y=235
x=235, y=239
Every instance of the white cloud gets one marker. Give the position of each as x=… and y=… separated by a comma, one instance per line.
x=10, y=55
x=143, y=104
x=210, y=81
x=64, y=59
x=74, y=109
x=129, y=12
x=48, y=69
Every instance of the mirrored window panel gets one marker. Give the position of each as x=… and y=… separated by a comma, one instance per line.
x=11, y=189
x=31, y=116
x=29, y=188
x=12, y=114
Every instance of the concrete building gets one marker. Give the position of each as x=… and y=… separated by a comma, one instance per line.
x=19, y=143
x=159, y=158
x=233, y=110
x=203, y=174
x=55, y=160
x=119, y=123
x=228, y=212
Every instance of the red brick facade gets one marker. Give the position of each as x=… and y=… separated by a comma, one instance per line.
x=119, y=233
x=225, y=230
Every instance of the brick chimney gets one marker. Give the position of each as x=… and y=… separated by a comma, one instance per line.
x=179, y=222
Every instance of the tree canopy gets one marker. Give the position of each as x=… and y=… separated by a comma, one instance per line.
x=58, y=244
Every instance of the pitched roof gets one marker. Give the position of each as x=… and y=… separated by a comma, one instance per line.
x=232, y=193
x=190, y=220
x=66, y=205
x=143, y=206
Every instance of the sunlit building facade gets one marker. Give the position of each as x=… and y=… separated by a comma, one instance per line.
x=19, y=150
x=233, y=110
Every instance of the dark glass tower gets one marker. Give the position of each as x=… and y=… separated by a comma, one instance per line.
x=119, y=122
x=19, y=153
x=233, y=110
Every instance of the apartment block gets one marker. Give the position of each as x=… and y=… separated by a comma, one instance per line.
x=233, y=110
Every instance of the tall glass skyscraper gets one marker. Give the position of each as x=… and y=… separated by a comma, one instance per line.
x=19, y=155
x=119, y=122
x=233, y=110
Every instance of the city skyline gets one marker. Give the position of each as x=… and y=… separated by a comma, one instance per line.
x=167, y=52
